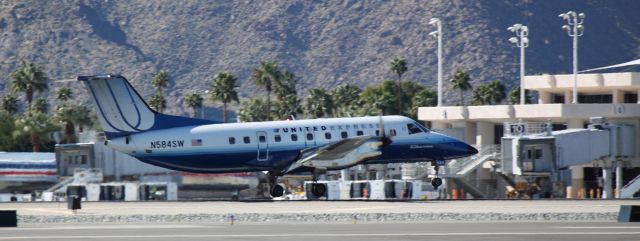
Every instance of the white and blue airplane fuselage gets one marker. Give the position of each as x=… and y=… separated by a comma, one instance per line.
x=278, y=147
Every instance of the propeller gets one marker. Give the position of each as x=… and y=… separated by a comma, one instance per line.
x=383, y=134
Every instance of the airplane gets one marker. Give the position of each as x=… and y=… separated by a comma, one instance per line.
x=274, y=147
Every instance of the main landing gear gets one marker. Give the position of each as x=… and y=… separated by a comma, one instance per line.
x=275, y=190
x=318, y=189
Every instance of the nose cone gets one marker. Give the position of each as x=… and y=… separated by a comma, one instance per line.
x=471, y=150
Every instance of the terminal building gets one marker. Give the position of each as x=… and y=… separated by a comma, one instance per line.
x=552, y=148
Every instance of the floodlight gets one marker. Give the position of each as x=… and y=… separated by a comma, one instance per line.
x=513, y=40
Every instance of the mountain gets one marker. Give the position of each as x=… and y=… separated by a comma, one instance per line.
x=325, y=43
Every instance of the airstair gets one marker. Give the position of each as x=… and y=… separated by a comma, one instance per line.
x=459, y=169
x=79, y=176
x=631, y=188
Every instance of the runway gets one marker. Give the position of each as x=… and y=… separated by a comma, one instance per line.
x=327, y=231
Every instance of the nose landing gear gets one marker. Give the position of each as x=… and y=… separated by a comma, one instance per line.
x=436, y=181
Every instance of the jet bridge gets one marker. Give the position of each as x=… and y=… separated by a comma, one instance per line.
x=535, y=150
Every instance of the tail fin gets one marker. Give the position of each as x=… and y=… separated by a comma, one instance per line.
x=123, y=112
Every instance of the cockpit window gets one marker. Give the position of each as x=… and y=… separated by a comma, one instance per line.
x=413, y=129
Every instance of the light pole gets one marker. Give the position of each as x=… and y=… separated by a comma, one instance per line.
x=522, y=41
x=438, y=33
x=575, y=29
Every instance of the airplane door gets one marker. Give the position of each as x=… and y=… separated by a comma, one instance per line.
x=263, y=146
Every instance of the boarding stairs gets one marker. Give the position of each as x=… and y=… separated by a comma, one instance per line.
x=631, y=188
x=80, y=175
x=457, y=170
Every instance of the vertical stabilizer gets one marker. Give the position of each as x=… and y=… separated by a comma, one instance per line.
x=121, y=111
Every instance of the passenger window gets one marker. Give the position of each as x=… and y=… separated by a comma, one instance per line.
x=413, y=129
x=327, y=135
x=332, y=128
x=359, y=133
x=247, y=140
x=262, y=138
x=277, y=138
x=232, y=140
x=363, y=126
x=371, y=126
x=344, y=135
x=309, y=137
x=377, y=132
x=294, y=137
x=392, y=132
x=355, y=126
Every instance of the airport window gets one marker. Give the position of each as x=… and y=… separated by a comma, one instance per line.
x=247, y=140
x=327, y=135
x=538, y=153
x=277, y=138
x=344, y=134
x=413, y=129
x=232, y=140
x=558, y=99
x=598, y=99
x=309, y=136
x=262, y=138
x=294, y=137
x=631, y=98
x=359, y=133
x=392, y=132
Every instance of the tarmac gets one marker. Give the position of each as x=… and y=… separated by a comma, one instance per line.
x=322, y=211
x=327, y=231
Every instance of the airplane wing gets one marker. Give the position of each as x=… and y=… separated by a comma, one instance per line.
x=339, y=155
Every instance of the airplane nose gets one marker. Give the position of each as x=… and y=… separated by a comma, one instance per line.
x=471, y=150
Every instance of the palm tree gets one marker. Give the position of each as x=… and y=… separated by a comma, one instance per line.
x=160, y=81
x=253, y=110
x=265, y=76
x=491, y=93
x=28, y=79
x=69, y=115
x=286, y=107
x=318, y=104
x=223, y=89
x=496, y=91
x=345, y=97
x=399, y=67
x=424, y=97
x=460, y=81
x=377, y=99
x=194, y=101
x=36, y=125
x=63, y=94
x=514, y=96
x=157, y=102
x=286, y=85
x=10, y=104
x=41, y=105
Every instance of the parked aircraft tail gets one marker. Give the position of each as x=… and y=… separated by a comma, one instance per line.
x=122, y=112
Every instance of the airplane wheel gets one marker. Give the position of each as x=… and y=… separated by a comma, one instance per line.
x=318, y=189
x=436, y=182
x=277, y=191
